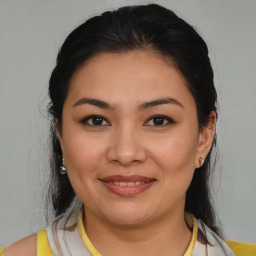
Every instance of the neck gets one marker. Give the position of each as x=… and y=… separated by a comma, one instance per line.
x=167, y=235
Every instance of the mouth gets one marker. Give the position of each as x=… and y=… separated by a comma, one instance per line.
x=127, y=185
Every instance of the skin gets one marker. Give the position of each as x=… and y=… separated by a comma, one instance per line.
x=24, y=247
x=128, y=142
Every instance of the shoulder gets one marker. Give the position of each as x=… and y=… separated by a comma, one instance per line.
x=242, y=249
x=24, y=247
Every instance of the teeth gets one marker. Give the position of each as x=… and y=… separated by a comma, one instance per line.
x=128, y=184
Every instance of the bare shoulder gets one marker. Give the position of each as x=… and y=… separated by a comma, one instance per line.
x=24, y=247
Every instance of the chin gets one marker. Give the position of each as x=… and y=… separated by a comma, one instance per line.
x=127, y=216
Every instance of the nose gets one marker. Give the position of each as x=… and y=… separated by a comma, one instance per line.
x=126, y=147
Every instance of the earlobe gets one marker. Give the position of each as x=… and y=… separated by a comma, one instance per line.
x=206, y=138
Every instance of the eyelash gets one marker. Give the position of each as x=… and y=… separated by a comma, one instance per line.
x=170, y=120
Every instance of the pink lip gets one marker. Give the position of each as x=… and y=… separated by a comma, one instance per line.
x=127, y=190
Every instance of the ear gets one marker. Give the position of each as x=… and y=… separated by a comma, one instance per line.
x=205, y=139
x=58, y=132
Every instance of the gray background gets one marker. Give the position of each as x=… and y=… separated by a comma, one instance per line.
x=31, y=33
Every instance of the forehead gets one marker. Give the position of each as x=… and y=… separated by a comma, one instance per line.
x=129, y=77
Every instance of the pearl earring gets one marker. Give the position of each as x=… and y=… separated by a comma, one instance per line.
x=63, y=169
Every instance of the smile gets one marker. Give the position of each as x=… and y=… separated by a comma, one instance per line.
x=127, y=185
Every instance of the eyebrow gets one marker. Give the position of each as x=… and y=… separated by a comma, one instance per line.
x=102, y=104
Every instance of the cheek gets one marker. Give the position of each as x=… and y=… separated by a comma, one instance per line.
x=82, y=154
x=82, y=161
x=175, y=152
x=176, y=158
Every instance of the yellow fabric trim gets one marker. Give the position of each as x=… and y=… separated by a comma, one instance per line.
x=194, y=234
x=84, y=236
x=189, y=219
x=242, y=249
x=2, y=250
x=43, y=246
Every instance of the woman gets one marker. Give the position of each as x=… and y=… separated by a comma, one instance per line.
x=133, y=109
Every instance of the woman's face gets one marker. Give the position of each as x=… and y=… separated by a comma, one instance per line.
x=130, y=137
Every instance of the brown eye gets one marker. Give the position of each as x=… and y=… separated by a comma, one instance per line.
x=95, y=121
x=159, y=120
